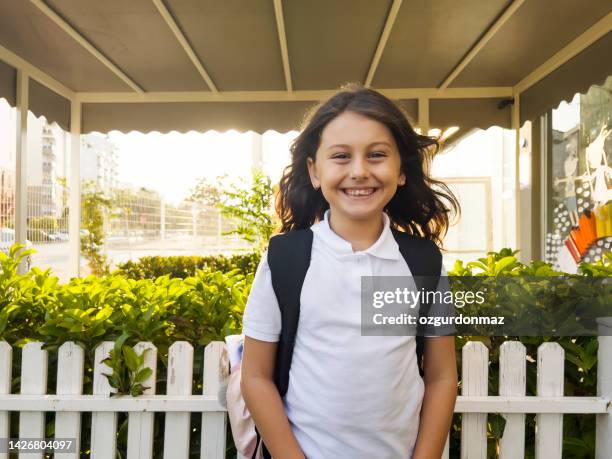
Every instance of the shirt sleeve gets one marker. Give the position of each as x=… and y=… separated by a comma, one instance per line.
x=262, y=318
x=442, y=309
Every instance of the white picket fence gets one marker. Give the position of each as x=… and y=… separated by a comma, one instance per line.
x=179, y=403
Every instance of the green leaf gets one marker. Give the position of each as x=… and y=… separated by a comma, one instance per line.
x=131, y=358
x=504, y=263
x=497, y=424
x=122, y=338
x=104, y=314
x=143, y=374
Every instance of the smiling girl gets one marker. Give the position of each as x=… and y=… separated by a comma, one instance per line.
x=358, y=176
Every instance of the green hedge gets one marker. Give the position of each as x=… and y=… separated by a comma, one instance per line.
x=185, y=266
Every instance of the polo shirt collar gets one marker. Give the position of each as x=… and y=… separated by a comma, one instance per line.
x=385, y=247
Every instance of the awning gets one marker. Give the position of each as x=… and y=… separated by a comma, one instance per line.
x=469, y=114
x=8, y=83
x=162, y=65
x=42, y=100
x=197, y=116
x=591, y=67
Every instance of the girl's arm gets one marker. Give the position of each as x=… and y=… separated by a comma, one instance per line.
x=440, y=394
x=263, y=400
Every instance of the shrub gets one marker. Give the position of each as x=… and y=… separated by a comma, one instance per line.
x=185, y=266
x=47, y=223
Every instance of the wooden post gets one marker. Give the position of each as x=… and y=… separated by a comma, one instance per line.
x=516, y=126
x=69, y=381
x=74, y=224
x=140, y=425
x=33, y=382
x=179, y=382
x=216, y=370
x=549, y=426
x=21, y=175
x=603, y=445
x=512, y=382
x=103, y=425
x=474, y=381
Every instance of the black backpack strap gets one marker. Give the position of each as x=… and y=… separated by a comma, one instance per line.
x=288, y=259
x=425, y=262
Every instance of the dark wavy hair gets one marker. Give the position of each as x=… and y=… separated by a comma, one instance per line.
x=420, y=207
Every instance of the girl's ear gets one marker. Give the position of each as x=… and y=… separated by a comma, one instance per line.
x=401, y=181
x=312, y=171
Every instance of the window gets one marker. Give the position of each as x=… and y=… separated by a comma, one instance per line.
x=579, y=192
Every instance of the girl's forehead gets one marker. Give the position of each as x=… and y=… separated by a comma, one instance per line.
x=352, y=128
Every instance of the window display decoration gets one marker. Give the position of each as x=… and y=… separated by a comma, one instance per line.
x=583, y=220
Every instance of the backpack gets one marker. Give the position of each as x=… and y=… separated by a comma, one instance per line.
x=293, y=250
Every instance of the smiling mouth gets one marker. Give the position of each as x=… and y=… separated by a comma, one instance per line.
x=359, y=192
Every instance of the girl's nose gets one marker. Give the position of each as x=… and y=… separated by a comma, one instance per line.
x=359, y=169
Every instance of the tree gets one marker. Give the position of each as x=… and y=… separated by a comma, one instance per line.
x=65, y=192
x=205, y=192
x=251, y=206
x=93, y=205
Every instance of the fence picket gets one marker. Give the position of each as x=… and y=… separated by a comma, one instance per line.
x=180, y=375
x=512, y=382
x=69, y=381
x=549, y=427
x=216, y=370
x=103, y=425
x=140, y=425
x=474, y=381
x=33, y=381
x=6, y=369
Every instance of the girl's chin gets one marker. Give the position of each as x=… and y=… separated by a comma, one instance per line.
x=358, y=212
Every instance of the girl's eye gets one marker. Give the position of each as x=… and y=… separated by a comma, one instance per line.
x=344, y=155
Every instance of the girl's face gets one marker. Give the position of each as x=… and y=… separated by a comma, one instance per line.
x=357, y=166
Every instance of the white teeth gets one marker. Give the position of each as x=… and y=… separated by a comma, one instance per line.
x=359, y=192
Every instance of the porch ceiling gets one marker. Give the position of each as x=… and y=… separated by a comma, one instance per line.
x=291, y=52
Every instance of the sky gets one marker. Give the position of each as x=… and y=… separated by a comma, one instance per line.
x=171, y=163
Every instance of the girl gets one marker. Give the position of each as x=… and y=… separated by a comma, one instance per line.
x=358, y=169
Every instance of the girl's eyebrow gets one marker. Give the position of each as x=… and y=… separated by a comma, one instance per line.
x=342, y=145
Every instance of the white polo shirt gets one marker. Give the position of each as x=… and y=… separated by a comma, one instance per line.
x=349, y=395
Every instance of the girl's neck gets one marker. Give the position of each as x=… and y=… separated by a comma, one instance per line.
x=361, y=235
